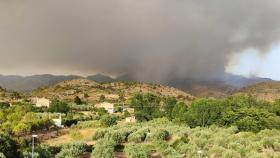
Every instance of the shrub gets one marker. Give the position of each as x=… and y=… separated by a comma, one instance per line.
x=231, y=154
x=108, y=120
x=101, y=111
x=138, y=136
x=70, y=122
x=86, y=95
x=136, y=151
x=77, y=100
x=22, y=128
x=166, y=150
x=86, y=124
x=102, y=98
x=117, y=136
x=4, y=105
x=99, y=134
x=216, y=151
x=252, y=119
x=41, y=151
x=8, y=146
x=59, y=107
x=104, y=148
x=158, y=134
x=19, y=119
x=179, y=113
x=169, y=104
x=204, y=112
x=146, y=106
x=82, y=107
x=126, y=114
x=72, y=150
x=214, y=141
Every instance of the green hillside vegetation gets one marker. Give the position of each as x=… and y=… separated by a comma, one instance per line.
x=169, y=126
x=245, y=112
x=22, y=119
x=176, y=141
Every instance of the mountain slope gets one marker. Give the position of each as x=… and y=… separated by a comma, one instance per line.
x=205, y=89
x=240, y=81
x=91, y=91
x=225, y=86
x=268, y=91
x=209, y=88
x=29, y=83
x=100, y=78
x=219, y=88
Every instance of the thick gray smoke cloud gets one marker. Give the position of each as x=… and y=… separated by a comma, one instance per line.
x=152, y=39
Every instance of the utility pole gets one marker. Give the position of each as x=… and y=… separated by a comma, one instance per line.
x=33, y=138
x=199, y=153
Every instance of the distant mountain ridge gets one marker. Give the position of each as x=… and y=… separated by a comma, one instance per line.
x=100, y=78
x=29, y=83
x=219, y=88
x=204, y=88
x=240, y=81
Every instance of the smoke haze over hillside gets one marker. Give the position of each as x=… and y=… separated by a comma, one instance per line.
x=151, y=39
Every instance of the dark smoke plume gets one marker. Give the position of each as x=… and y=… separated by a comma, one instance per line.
x=150, y=39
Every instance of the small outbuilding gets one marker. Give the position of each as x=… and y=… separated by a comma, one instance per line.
x=107, y=106
x=131, y=119
x=130, y=110
x=58, y=122
x=41, y=102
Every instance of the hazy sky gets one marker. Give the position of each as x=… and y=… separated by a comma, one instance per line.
x=251, y=62
x=151, y=39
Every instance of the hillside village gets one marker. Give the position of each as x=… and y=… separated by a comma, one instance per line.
x=103, y=95
x=81, y=114
x=112, y=97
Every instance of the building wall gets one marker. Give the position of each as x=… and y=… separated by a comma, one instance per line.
x=131, y=119
x=41, y=102
x=107, y=106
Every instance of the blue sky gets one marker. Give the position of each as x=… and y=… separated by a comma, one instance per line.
x=251, y=62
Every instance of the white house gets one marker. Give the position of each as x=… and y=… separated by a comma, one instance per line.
x=107, y=106
x=58, y=122
x=131, y=119
x=41, y=102
x=130, y=110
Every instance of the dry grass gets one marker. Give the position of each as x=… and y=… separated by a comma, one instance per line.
x=86, y=136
